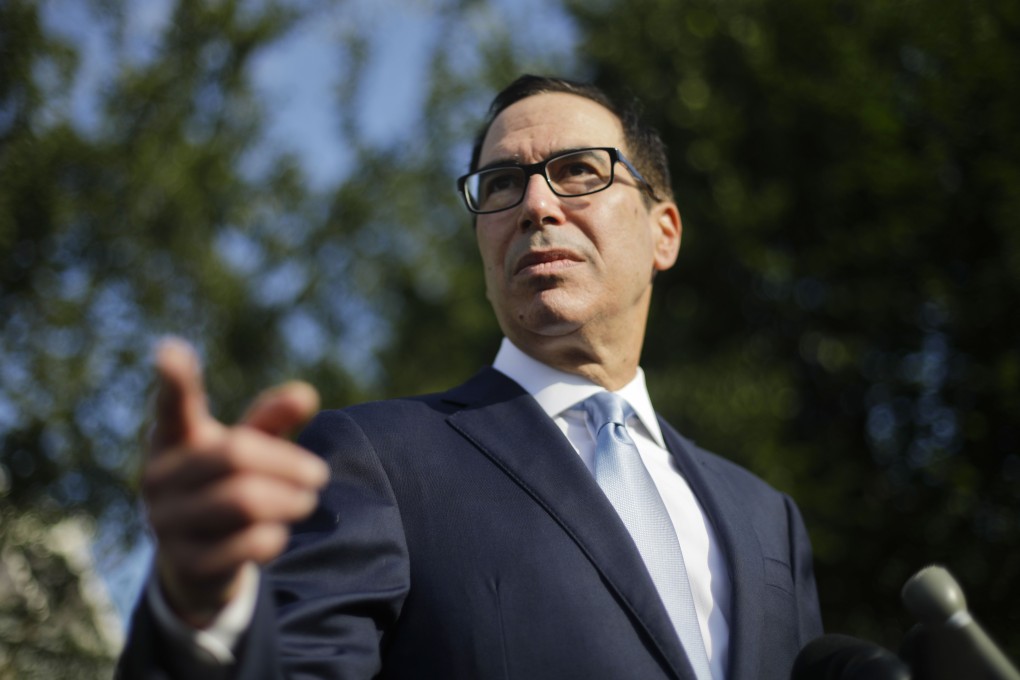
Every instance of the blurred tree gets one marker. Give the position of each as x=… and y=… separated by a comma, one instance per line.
x=150, y=222
x=842, y=320
x=171, y=215
x=844, y=317
x=144, y=226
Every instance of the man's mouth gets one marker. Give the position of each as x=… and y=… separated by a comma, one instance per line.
x=546, y=261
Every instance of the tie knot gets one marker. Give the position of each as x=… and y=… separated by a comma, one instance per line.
x=606, y=407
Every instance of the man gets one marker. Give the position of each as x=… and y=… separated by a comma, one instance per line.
x=491, y=531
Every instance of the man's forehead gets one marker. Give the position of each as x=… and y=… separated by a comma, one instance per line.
x=545, y=123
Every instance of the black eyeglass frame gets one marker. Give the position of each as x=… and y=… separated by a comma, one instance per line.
x=615, y=156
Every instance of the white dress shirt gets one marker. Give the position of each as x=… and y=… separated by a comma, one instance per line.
x=559, y=395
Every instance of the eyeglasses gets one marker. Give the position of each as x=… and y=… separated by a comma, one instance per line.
x=574, y=173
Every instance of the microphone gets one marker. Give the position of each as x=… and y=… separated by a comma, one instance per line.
x=935, y=599
x=841, y=657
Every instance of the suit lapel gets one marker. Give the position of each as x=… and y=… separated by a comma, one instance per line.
x=733, y=526
x=507, y=425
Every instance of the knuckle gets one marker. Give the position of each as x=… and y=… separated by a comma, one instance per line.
x=231, y=454
x=308, y=501
x=268, y=541
x=235, y=449
x=246, y=500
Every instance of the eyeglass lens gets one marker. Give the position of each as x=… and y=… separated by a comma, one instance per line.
x=572, y=174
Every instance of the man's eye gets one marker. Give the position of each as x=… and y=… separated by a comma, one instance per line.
x=578, y=175
x=499, y=181
x=578, y=169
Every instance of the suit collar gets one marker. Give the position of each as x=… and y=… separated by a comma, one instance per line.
x=509, y=427
x=557, y=391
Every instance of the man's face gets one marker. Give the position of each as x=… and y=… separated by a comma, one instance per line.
x=557, y=266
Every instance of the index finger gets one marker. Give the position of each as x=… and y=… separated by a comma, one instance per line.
x=181, y=404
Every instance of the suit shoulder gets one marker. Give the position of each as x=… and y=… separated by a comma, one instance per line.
x=399, y=409
x=486, y=387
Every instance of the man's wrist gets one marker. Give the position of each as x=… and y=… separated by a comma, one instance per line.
x=215, y=642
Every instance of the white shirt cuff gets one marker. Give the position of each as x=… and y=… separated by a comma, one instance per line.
x=215, y=644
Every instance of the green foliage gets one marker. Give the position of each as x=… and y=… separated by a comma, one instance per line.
x=843, y=318
x=171, y=215
x=146, y=225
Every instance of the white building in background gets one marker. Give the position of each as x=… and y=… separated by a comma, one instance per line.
x=56, y=616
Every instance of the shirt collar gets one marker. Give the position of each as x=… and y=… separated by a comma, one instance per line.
x=557, y=391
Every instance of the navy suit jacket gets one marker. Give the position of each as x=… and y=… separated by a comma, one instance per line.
x=461, y=536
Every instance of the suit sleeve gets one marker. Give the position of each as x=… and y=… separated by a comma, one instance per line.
x=325, y=606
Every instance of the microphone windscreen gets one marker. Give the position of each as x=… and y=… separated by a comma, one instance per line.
x=949, y=643
x=933, y=596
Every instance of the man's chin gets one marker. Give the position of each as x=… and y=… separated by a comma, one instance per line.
x=549, y=321
x=550, y=313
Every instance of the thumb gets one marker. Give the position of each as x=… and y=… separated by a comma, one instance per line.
x=280, y=409
x=181, y=404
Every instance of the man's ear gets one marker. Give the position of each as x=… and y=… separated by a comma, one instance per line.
x=667, y=230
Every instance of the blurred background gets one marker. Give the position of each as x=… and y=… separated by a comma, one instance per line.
x=273, y=180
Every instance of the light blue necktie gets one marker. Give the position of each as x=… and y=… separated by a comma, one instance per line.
x=629, y=487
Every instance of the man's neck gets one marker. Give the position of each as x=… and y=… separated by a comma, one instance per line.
x=611, y=365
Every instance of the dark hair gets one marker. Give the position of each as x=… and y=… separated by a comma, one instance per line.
x=645, y=147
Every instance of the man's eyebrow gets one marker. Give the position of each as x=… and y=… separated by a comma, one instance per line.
x=501, y=163
x=515, y=160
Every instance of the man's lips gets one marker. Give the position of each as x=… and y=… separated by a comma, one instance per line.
x=540, y=260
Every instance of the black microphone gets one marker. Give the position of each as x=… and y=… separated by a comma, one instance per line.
x=841, y=657
x=954, y=638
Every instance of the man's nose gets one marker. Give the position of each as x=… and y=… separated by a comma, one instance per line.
x=540, y=204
